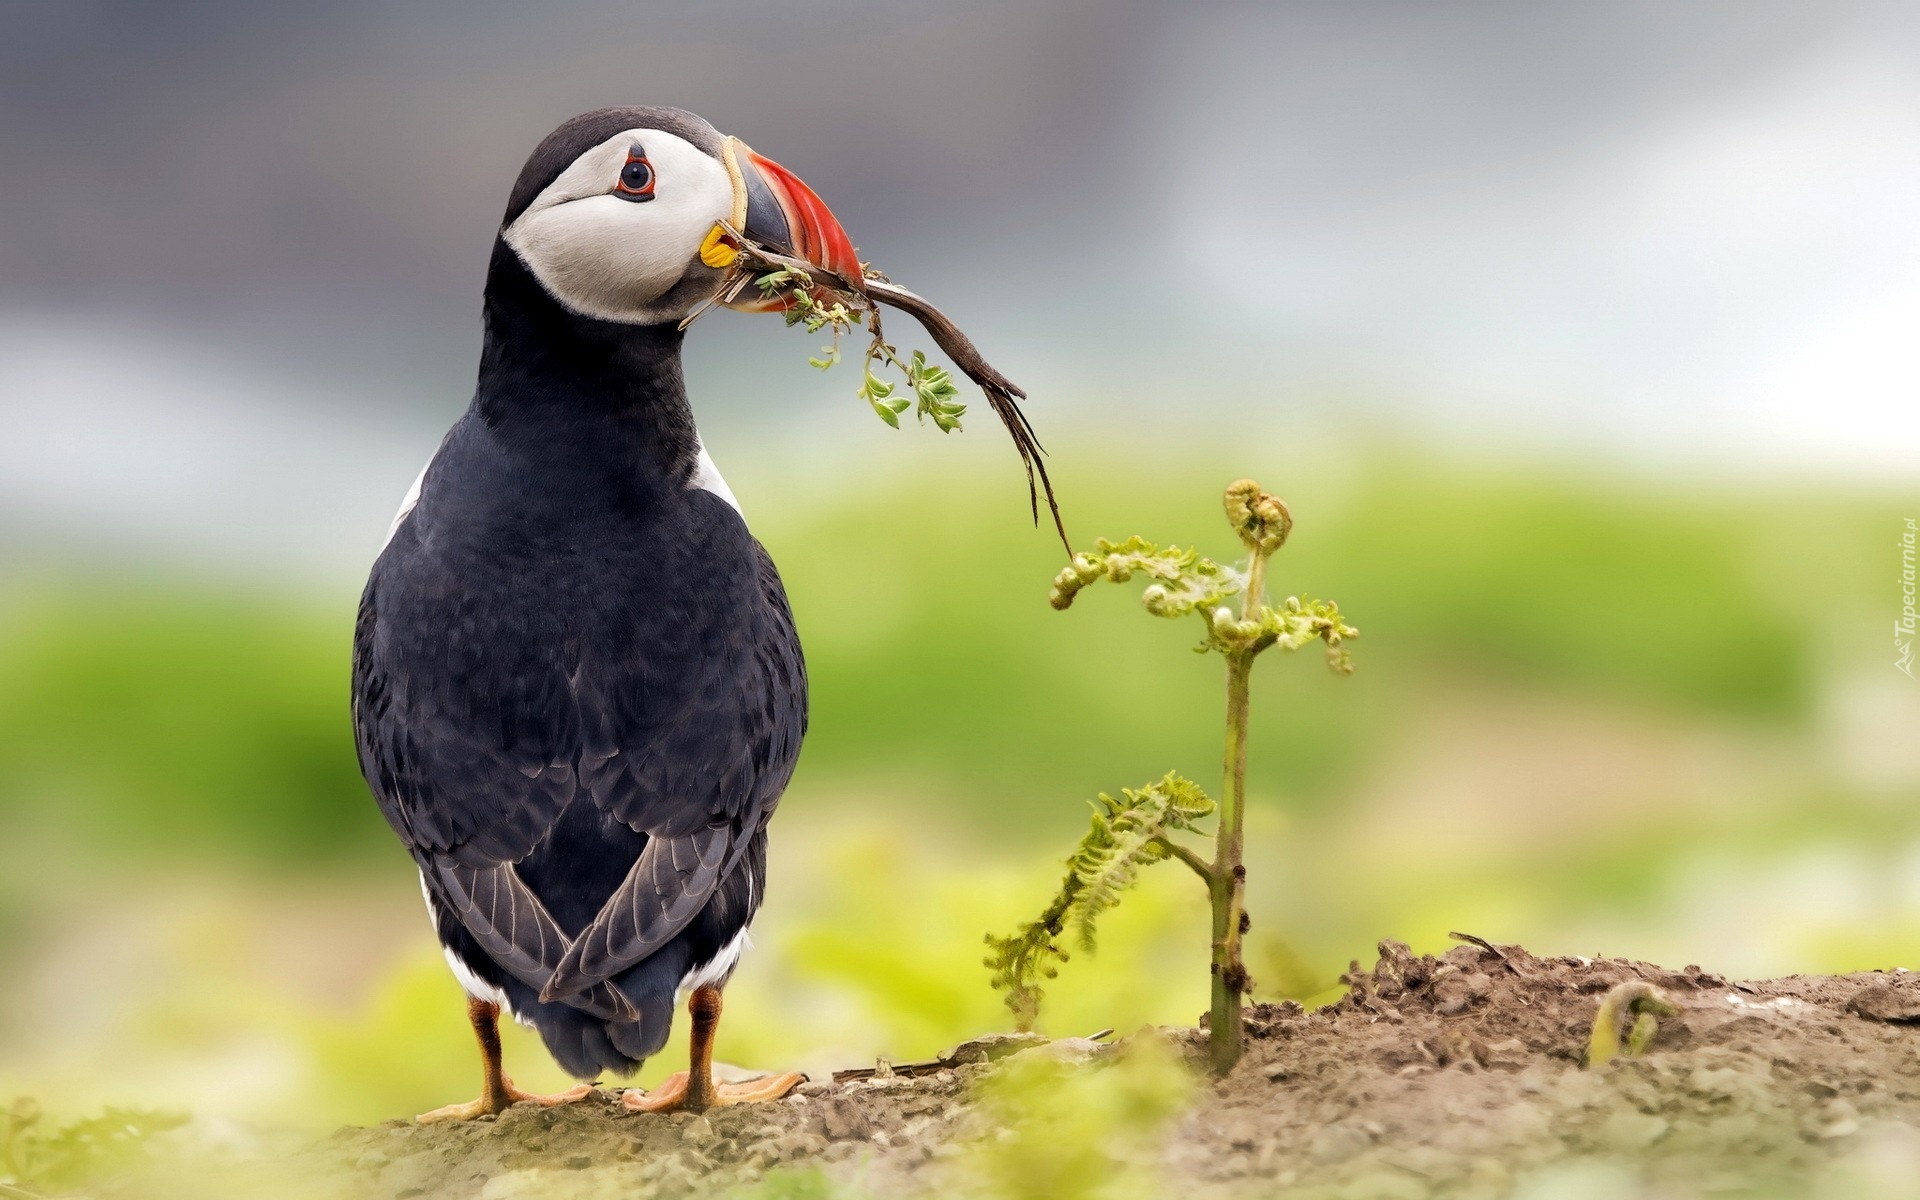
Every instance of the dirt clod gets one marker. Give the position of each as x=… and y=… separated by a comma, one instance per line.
x=1884, y=1000
x=1458, y=992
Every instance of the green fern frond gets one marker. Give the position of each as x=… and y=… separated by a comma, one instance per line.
x=1290, y=626
x=1124, y=835
x=1019, y=961
x=1183, y=580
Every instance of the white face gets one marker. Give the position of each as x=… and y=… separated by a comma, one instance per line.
x=605, y=253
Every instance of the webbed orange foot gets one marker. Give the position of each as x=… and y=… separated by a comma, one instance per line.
x=694, y=1090
x=499, y=1101
x=673, y=1094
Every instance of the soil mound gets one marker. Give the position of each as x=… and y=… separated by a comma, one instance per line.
x=1452, y=1076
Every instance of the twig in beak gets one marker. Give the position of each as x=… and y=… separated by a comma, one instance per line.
x=697, y=313
x=869, y=293
x=1002, y=393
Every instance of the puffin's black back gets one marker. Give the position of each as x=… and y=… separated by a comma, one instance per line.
x=578, y=693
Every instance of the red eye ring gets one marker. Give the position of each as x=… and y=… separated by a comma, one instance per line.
x=636, y=177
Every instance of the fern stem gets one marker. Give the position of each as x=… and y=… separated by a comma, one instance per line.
x=1228, y=881
x=1201, y=866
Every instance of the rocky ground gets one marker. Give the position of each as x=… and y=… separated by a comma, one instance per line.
x=1456, y=1076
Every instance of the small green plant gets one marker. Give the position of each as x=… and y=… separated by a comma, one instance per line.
x=1637, y=999
x=793, y=1183
x=32, y=1158
x=1073, y=1132
x=1138, y=830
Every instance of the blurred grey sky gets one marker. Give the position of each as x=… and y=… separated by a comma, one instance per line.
x=241, y=244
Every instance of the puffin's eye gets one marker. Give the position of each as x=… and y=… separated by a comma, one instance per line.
x=636, y=178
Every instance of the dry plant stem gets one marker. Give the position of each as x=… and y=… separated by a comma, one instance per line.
x=946, y=335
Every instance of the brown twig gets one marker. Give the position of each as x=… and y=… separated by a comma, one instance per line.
x=1002, y=394
x=1488, y=946
x=910, y=1069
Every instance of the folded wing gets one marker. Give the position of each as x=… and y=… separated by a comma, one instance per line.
x=686, y=733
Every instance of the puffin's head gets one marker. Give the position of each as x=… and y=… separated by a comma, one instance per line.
x=622, y=214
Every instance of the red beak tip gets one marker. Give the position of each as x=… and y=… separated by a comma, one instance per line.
x=818, y=236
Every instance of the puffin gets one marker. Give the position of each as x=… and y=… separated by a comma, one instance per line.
x=577, y=688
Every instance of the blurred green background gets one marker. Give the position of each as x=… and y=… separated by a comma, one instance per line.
x=1573, y=342
x=1589, y=715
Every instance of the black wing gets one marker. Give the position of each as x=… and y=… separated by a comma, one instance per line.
x=482, y=712
x=705, y=781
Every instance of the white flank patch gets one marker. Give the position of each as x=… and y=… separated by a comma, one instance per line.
x=718, y=968
x=406, y=506
x=475, y=986
x=706, y=477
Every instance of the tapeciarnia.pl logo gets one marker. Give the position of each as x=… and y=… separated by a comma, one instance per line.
x=1903, y=625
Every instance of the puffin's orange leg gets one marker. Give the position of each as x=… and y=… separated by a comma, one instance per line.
x=497, y=1091
x=694, y=1090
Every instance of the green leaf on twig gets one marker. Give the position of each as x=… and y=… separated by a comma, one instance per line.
x=932, y=386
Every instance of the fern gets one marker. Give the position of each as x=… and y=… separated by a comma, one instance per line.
x=1125, y=835
x=1185, y=582
x=1131, y=833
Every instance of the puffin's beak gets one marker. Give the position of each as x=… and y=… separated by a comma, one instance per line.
x=772, y=207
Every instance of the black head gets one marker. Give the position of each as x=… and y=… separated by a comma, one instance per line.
x=633, y=215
